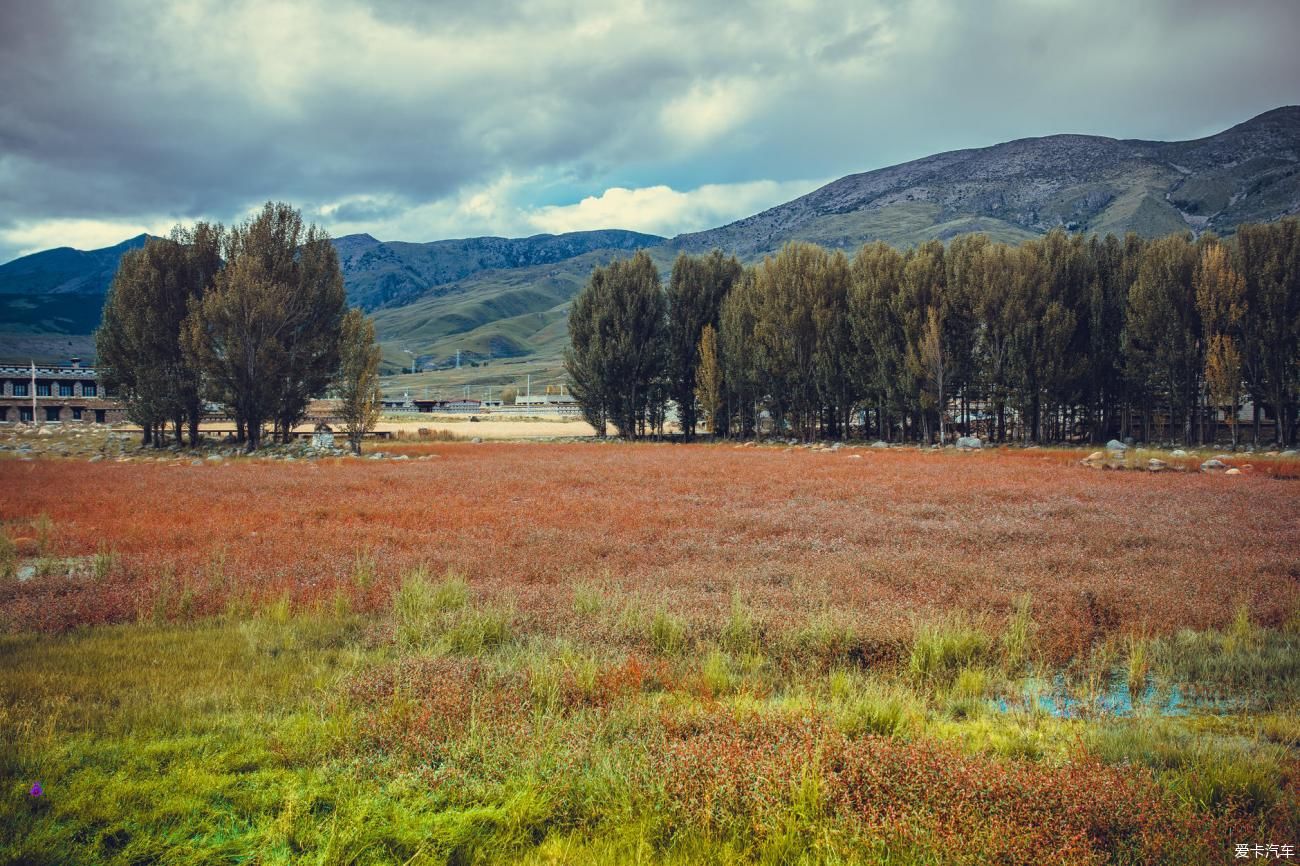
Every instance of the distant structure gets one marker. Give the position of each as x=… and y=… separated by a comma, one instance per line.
x=556, y=401
x=58, y=394
x=459, y=405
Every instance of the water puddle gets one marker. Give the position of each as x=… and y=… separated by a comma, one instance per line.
x=1061, y=699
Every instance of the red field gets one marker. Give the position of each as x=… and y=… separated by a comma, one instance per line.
x=874, y=539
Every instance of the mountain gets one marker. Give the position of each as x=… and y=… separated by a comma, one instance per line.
x=500, y=298
x=1024, y=188
x=65, y=270
x=389, y=274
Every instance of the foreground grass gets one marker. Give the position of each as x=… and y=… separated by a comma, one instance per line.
x=445, y=732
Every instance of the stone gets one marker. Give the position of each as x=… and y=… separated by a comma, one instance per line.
x=1233, y=471
x=1178, y=452
x=855, y=456
x=97, y=458
x=1290, y=452
x=45, y=431
x=215, y=458
x=1116, y=445
x=1155, y=465
x=196, y=462
x=1213, y=465
x=969, y=442
x=26, y=573
x=476, y=440
x=879, y=443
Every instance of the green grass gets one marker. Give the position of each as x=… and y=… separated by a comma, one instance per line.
x=270, y=736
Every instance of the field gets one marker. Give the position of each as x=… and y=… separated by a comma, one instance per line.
x=603, y=653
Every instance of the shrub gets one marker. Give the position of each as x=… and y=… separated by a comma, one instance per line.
x=667, y=633
x=8, y=557
x=940, y=650
x=1017, y=639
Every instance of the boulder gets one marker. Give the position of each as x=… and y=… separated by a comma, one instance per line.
x=880, y=443
x=215, y=458
x=1154, y=465
x=1178, y=452
x=1095, y=460
x=1116, y=445
x=1233, y=471
x=1290, y=452
x=1214, y=465
x=969, y=442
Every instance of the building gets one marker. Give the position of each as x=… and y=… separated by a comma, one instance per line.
x=450, y=406
x=57, y=394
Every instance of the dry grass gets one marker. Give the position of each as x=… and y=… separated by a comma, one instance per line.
x=871, y=541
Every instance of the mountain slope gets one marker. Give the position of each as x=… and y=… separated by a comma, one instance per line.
x=387, y=274
x=65, y=270
x=1249, y=173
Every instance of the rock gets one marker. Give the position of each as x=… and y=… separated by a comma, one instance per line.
x=402, y=457
x=1154, y=465
x=969, y=442
x=1213, y=465
x=1178, y=452
x=1221, y=457
x=1095, y=457
x=26, y=572
x=97, y=458
x=879, y=444
x=1233, y=471
x=476, y=440
x=855, y=456
x=45, y=431
x=196, y=462
x=1116, y=445
x=215, y=458
x=1290, y=452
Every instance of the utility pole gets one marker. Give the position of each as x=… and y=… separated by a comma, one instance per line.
x=33, y=392
x=530, y=385
x=458, y=359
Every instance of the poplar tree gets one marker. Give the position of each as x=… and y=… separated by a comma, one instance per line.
x=618, y=350
x=695, y=292
x=139, y=341
x=266, y=337
x=360, y=398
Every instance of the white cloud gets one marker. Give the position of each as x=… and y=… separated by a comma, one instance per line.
x=665, y=211
x=710, y=109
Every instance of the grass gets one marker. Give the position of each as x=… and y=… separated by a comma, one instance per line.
x=317, y=737
x=501, y=657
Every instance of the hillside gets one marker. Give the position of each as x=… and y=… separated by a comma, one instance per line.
x=1023, y=188
x=388, y=274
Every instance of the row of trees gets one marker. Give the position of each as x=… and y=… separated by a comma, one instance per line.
x=1059, y=338
x=254, y=319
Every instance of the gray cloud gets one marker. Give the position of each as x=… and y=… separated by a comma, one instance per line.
x=436, y=119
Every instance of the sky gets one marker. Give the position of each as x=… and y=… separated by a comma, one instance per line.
x=426, y=120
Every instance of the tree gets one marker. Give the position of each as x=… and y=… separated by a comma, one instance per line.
x=708, y=377
x=508, y=395
x=266, y=337
x=1270, y=264
x=618, y=347
x=360, y=398
x=932, y=364
x=695, y=292
x=1164, y=334
x=139, y=340
x=1220, y=299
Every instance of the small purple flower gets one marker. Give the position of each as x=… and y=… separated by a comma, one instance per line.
x=36, y=790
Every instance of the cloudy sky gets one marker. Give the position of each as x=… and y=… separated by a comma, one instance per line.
x=425, y=120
